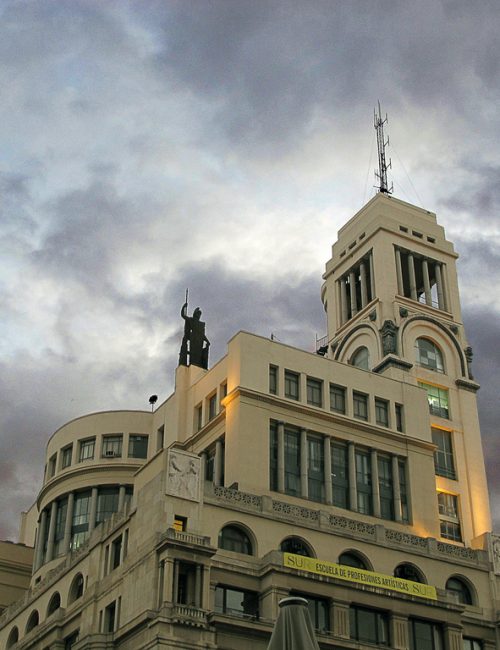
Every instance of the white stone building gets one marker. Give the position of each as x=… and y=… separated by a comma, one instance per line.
x=354, y=477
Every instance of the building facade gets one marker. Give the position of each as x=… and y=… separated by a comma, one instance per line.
x=353, y=477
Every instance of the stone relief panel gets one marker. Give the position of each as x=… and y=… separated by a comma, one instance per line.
x=183, y=475
x=495, y=552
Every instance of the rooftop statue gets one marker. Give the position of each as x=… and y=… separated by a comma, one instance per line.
x=194, y=346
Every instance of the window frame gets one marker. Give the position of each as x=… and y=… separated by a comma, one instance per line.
x=337, y=398
x=112, y=445
x=292, y=385
x=314, y=389
x=359, y=400
x=83, y=446
x=380, y=626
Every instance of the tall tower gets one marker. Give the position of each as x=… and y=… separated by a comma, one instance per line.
x=392, y=301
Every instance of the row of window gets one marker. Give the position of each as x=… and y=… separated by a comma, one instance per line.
x=107, y=502
x=427, y=355
x=367, y=625
x=337, y=397
x=75, y=592
x=111, y=447
x=209, y=407
x=234, y=538
x=352, y=488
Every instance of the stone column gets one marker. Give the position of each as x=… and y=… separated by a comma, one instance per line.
x=205, y=588
x=427, y=284
x=439, y=287
x=372, y=277
x=175, y=582
x=328, y=470
x=304, y=487
x=396, y=490
x=413, y=281
x=281, y=457
x=198, y=586
x=40, y=540
x=93, y=509
x=364, y=292
x=218, y=463
x=161, y=581
x=341, y=623
x=52, y=532
x=453, y=640
x=399, y=632
x=68, y=523
x=375, y=483
x=168, y=579
x=343, y=300
x=121, y=498
x=352, y=286
x=399, y=273
x=353, y=490
x=203, y=457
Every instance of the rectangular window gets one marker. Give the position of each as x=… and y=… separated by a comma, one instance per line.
x=319, y=609
x=316, y=469
x=364, y=482
x=160, y=438
x=67, y=454
x=444, y=463
x=223, y=393
x=405, y=513
x=314, y=392
x=273, y=380
x=71, y=640
x=198, y=417
x=180, y=523
x=385, y=487
x=236, y=602
x=107, y=503
x=399, y=418
x=273, y=456
x=292, y=461
x=137, y=446
x=62, y=509
x=52, y=465
x=87, y=448
x=438, y=400
x=360, y=405
x=291, y=385
x=425, y=635
x=112, y=446
x=337, y=398
x=340, y=475
x=382, y=412
x=472, y=644
x=369, y=625
x=212, y=406
x=80, y=521
x=210, y=464
x=109, y=618
x=116, y=552
x=449, y=516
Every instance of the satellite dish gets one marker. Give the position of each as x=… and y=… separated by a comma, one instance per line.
x=152, y=400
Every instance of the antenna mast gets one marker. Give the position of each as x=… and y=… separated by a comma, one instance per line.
x=381, y=175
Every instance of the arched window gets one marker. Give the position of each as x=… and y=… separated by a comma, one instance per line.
x=13, y=637
x=428, y=355
x=54, y=603
x=33, y=621
x=295, y=545
x=233, y=538
x=361, y=358
x=76, y=589
x=460, y=589
x=350, y=558
x=407, y=571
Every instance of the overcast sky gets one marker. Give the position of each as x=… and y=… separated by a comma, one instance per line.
x=151, y=146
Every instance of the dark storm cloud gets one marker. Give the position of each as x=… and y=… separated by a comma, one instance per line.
x=482, y=196
x=483, y=330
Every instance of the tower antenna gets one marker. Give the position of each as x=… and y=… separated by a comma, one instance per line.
x=383, y=166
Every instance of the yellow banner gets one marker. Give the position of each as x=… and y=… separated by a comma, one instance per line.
x=380, y=580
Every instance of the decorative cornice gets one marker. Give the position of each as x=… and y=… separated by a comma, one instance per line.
x=391, y=361
x=466, y=384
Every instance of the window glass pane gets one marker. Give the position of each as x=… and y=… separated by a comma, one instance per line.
x=443, y=456
x=314, y=391
x=273, y=457
x=138, y=446
x=316, y=475
x=87, y=449
x=107, y=503
x=291, y=384
x=337, y=398
x=340, y=480
x=360, y=405
x=361, y=358
x=428, y=355
x=385, y=487
x=234, y=539
x=382, y=412
x=364, y=482
x=273, y=380
x=292, y=461
x=112, y=446
x=437, y=399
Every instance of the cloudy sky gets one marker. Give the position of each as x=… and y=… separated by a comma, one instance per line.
x=151, y=146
